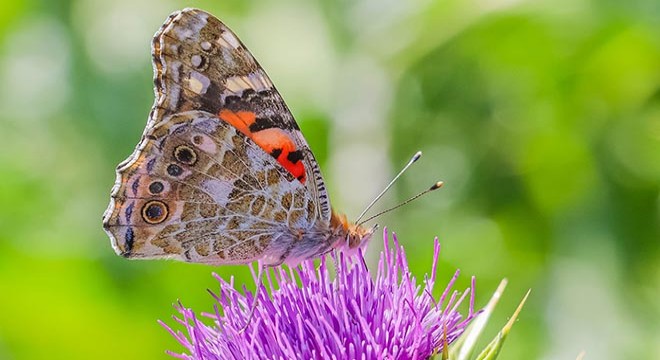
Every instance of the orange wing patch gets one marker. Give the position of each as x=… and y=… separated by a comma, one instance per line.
x=240, y=120
x=273, y=140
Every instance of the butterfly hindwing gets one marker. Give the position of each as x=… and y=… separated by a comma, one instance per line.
x=199, y=190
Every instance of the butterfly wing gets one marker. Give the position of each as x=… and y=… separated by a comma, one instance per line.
x=222, y=173
x=199, y=190
x=200, y=64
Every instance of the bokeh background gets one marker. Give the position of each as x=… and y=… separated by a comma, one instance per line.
x=542, y=117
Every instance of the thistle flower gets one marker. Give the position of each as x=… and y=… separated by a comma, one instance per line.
x=351, y=316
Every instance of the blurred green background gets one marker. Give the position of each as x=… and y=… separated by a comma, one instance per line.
x=542, y=117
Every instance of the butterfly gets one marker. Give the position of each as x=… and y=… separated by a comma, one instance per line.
x=222, y=173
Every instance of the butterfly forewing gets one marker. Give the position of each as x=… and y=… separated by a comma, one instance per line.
x=200, y=64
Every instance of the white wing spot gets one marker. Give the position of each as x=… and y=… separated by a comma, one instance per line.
x=196, y=61
x=183, y=32
x=260, y=81
x=198, y=83
x=255, y=81
x=206, y=46
x=227, y=40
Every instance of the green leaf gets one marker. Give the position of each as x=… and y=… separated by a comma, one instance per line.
x=493, y=349
x=464, y=346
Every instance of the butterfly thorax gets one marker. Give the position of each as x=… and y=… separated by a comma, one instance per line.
x=348, y=235
x=296, y=244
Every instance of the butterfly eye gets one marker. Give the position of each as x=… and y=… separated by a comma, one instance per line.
x=154, y=212
x=156, y=187
x=185, y=155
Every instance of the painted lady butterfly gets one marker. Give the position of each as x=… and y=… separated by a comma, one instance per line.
x=222, y=174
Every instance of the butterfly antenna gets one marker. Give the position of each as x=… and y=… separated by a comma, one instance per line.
x=435, y=186
x=373, y=202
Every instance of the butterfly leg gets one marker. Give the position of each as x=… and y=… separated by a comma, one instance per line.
x=262, y=270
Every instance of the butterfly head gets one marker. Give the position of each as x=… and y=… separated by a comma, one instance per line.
x=349, y=235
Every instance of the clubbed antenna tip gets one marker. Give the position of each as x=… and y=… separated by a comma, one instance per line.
x=436, y=186
x=416, y=156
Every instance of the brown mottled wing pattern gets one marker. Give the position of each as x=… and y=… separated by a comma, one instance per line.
x=200, y=64
x=196, y=189
x=200, y=187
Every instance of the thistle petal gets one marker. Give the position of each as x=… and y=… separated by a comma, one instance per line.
x=353, y=315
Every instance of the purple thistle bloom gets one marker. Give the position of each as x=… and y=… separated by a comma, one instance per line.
x=349, y=317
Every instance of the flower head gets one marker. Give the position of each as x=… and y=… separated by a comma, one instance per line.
x=348, y=316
